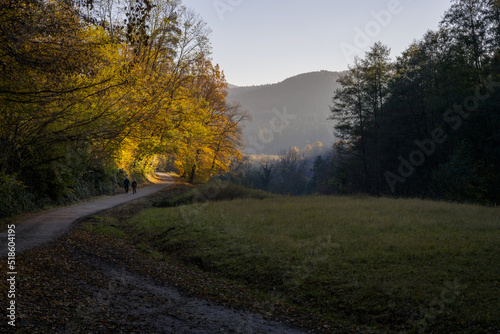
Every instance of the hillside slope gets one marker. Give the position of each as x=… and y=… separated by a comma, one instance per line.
x=291, y=113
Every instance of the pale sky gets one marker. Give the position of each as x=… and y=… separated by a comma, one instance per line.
x=266, y=41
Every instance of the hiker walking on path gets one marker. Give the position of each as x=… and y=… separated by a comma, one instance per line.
x=52, y=224
x=126, y=184
x=134, y=187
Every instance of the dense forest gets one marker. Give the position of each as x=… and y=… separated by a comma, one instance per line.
x=93, y=90
x=424, y=125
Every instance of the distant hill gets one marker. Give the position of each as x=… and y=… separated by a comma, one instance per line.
x=306, y=98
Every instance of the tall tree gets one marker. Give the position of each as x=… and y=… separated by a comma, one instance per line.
x=467, y=25
x=349, y=111
x=54, y=68
x=358, y=110
x=377, y=71
x=88, y=86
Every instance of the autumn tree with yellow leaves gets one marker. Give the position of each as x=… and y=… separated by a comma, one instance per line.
x=91, y=87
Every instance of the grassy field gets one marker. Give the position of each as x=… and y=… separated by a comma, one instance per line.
x=393, y=265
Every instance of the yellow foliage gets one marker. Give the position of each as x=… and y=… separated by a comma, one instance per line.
x=83, y=85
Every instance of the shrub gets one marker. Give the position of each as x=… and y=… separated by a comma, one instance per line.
x=214, y=191
x=14, y=196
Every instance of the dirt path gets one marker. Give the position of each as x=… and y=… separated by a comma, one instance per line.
x=81, y=284
x=140, y=304
x=54, y=223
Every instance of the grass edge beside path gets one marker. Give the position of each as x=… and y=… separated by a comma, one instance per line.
x=111, y=236
x=392, y=265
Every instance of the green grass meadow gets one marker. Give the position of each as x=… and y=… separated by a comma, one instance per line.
x=353, y=262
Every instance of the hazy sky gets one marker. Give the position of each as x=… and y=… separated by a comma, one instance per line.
x=266, y=41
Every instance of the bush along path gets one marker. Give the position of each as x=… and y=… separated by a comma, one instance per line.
x=96, y=280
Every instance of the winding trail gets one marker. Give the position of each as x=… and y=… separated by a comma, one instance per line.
x=127, y=299
x=143, y=305
x=52, y=224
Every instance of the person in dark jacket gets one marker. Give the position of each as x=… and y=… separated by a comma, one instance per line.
x=126, y=184
x=134, y=186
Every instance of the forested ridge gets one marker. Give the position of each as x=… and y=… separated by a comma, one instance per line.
x=423, y=125
x=93, y=90
x=302, y=99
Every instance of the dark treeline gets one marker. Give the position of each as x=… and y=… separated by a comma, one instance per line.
x=425, y=125
x=428, y=123
x=287, y=173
